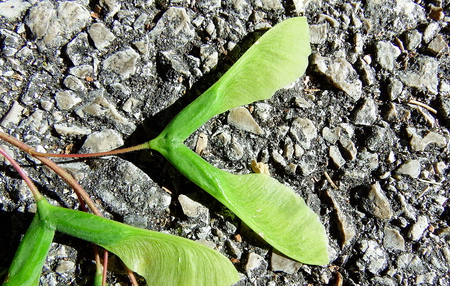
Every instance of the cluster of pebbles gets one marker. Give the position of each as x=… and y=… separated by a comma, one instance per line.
x=363, y=136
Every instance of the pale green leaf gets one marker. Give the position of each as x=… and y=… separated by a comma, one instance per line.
x=277, y=59
x=268, y=207
x=162, y=259
x=26, y=267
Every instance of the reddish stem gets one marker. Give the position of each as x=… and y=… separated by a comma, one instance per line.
x=98, y=154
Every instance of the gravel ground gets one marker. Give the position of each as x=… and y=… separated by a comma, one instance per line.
x=363, y=136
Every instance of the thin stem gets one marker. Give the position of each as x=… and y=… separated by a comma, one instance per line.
x=98, y=154
x=81, y=193
x=131, y=276
x=105, y=266
x=34, y=190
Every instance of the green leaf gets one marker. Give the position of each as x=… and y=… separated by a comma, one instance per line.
x=277, y=59
x=268, y=207
x=162, y=259
x=30, y=256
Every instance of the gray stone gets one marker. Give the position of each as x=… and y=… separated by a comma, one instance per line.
x=418, y=228
x=78, y=50
x=263, y=110
x=419, y=144
x=437, y=45
x=13, y=9
x=54, y=27
x=123, y=63
x=142, y=46
x=387, y=54
x=427, y=278
x=74, y=83
x=233, y=249
x=413, y=39
x=13, y=116
x=341, y=73
x=308, y=163
x=209, y=57
x=349, y=148
x=254, y=261
x=241, y=118
x=208, y=5
x=82, y=71
x=100, y=35
x=393, y=239
x=112, y=6
x=193, y=209
x=346, y=225
x=366, y=114
x=65, y=130
x=236, y=151
x=175, y=65
x=318, y=33
x=269, y=4
x=381, y=139
x=336, y=156
x=278, y=158
x=367, y=72
x=65, y=266
x=379, y=204
x=139, y=23
x=104, y=140
x=374, y=256
x=304, y=131
x=175, y=25
x=431, y=30
x=411, y=262
x=331, y=135
x=281, y=263
x=422, y=75
x=410, y=168
x=394, y=89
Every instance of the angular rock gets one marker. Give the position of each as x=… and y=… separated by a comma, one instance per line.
x=175, y=25
x=336, y=156
x=241, y=118
x=318, y=33
x=78, y=50
x=281, y=263
x=13, y=116
x=100, y=35
x=123, y=63
x=341, y=73
x=417, y=230
x=422, y=75
x=366, y=114
x=411, y=168
x=74, y=83
x=349, y=148
x=346, y=225
x=13, y=9
x=419, y=144
x=71, y=130
x=387, y=54
x=105, y=140
x=380, y=139
x=193, y=209
x=304, y=131
x=54, y=27
x=394, y=89
x=413, y=39
x=437, y=45
x=393, y=239
x=378, y=203
x=374, y=256
x=209, y=57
